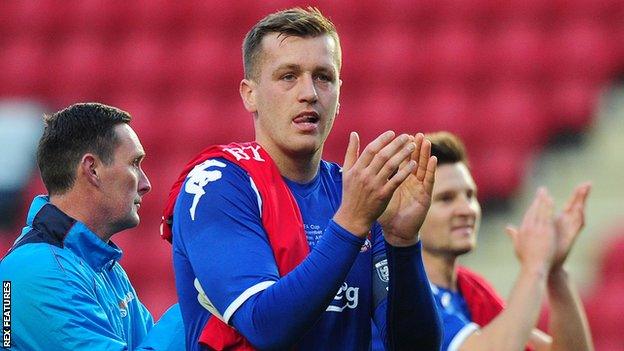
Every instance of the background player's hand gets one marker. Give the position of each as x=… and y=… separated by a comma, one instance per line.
x=370, y=179
x=569, y=223
x=535, y=240
x=406, y=212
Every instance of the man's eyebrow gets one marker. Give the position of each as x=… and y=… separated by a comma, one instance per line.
x=288, y=66
x=325, y=69
x=444, y=192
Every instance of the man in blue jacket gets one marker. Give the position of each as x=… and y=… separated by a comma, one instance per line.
x=68, y=291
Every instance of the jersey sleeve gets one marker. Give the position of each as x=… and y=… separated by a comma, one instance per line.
x=455, y=334
x=456, y=328
x=412, y=316
x=217, y=220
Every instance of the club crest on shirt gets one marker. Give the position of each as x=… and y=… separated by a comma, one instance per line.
x=382, y=270
x=123, y=304
x=366, y=246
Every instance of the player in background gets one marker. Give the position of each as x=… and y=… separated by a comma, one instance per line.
x=274, y=247
x=68, y=291
x=472, y=313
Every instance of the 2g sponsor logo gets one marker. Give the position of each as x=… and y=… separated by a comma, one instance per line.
x=347, y=297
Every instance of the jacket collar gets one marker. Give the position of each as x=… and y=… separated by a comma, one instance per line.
x=64, y=231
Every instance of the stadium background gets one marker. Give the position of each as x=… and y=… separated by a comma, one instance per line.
x=531, y=86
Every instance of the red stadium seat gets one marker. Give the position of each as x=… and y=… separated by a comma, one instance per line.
x=605, y=311
x=611, y=265
x=587, y=9
x=535, y=13
x=518, y=51
x=78, y=70
x=455, y=54
x=449, y=108
x=351, y=17
x=617, y=30
x=390, y=56
x=105, y=19
x=498, y=171
x=207, y=63
x=605, y=307
x=147, y=119
x=463, y=12
x=512, y=115
x=229, y=18
x=572, y=104
x=142, y=62
x=22, y=63
x=584, y=50
x=32, y=18
x=154, y=15
x=199, y=120
x=382, y=109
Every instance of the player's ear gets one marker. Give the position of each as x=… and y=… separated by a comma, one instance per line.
x=89, y=168
x=338, y=107
x=247, y=91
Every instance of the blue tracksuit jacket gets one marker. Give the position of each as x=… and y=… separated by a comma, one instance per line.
x=68, y=291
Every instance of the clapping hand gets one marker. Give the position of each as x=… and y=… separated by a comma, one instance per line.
x=406, y=212
x=569, y=223
x=369, y=180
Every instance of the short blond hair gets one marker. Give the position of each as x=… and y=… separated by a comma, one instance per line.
x=298, y=22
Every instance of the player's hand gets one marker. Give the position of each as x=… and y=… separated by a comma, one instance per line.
x=569, y=223
x=370, y=179
x=535, y=241
x=406, y=212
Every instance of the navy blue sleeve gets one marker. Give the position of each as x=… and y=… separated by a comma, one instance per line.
x=379, y=279
x=412, y=317
x=280, y=315
x=380, y=273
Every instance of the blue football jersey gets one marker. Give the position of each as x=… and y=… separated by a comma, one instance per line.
x=455, y=316
x=222, y=256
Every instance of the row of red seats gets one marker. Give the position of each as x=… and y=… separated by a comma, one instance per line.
x=583, y=50
x=53, y=15
x=537, y=110
x=503, y=75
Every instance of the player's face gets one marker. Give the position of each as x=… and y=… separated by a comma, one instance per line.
x=295, y=96
x=451, y=225
x=123, y=182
